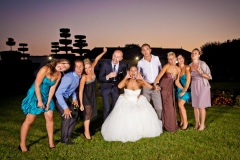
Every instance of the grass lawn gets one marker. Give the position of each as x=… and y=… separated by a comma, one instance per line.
x=220, y=139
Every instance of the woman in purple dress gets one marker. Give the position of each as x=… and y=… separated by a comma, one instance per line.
x=166, y=79
x=200, y=88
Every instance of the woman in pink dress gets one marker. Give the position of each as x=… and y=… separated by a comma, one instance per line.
x=200, y=88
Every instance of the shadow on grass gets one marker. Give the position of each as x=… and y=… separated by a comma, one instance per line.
x=44, y=137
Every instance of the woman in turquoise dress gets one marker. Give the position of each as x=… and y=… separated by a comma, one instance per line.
x=39, y=99
x=87, y=93
x=182, y=92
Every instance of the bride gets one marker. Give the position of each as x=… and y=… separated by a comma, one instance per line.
x=133, y=117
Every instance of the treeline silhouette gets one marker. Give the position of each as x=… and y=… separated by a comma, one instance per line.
x=223, y=59
x=17, y=71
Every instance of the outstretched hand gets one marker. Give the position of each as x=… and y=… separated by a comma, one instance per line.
x=104, y=49
x=139, y=76
x=127, y=75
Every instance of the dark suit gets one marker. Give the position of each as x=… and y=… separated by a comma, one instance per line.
x=109, y=87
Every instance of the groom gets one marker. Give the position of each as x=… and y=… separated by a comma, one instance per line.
x=111, y=73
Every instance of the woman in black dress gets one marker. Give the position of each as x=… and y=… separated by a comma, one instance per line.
x=87, y=92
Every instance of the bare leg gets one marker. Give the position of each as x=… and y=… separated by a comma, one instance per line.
x=196, y=114
x=88, y=113
x=86, y=129
x=24, y=131
x=50, y=127
x=181, y=118
x=202, y=118
x=180, y=112
x=183, y=114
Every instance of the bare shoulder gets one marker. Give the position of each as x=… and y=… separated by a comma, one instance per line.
x=178, y=69
x=44, y=69
x=187, y=67
x=166, y=65
x=84, y=77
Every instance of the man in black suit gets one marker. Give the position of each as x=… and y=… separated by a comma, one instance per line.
x=111, y=73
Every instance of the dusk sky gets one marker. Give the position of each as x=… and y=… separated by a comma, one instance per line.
x=167, y=24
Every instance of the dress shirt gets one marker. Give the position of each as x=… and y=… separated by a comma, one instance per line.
x=67, y=87
x=149, y=70
x=116, y=68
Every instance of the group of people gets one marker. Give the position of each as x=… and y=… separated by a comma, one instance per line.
x=146, y=107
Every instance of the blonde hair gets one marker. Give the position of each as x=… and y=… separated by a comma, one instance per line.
x=87, y=61
x=171, y=54
x=196, y=49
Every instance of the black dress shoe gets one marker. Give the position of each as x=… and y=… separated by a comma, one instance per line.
x=70, y=142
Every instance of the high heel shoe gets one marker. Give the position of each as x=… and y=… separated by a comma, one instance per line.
x=180, y=124
x=86, y=137
x=52, y=147
x=186, y=127
x=20, y=149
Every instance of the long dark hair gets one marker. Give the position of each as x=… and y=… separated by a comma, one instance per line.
x=183, y=58
x=54, y=63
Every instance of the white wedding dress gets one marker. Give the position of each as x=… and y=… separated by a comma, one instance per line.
x=132, y=118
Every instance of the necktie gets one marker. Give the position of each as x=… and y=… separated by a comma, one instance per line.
x=114, y=68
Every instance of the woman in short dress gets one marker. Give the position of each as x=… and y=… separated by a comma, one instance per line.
x=87, y=93
x=200, y=88
x=39, y=99
x=183, y=91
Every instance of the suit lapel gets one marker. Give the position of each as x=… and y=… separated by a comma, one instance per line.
x=109, y=67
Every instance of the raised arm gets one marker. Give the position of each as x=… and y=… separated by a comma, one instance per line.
x=99, y=57
x=123, y=82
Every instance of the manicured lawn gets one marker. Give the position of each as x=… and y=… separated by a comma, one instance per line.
x=220, y=140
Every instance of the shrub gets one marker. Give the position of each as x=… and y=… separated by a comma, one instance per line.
x=237, y=100
x=222, y=97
